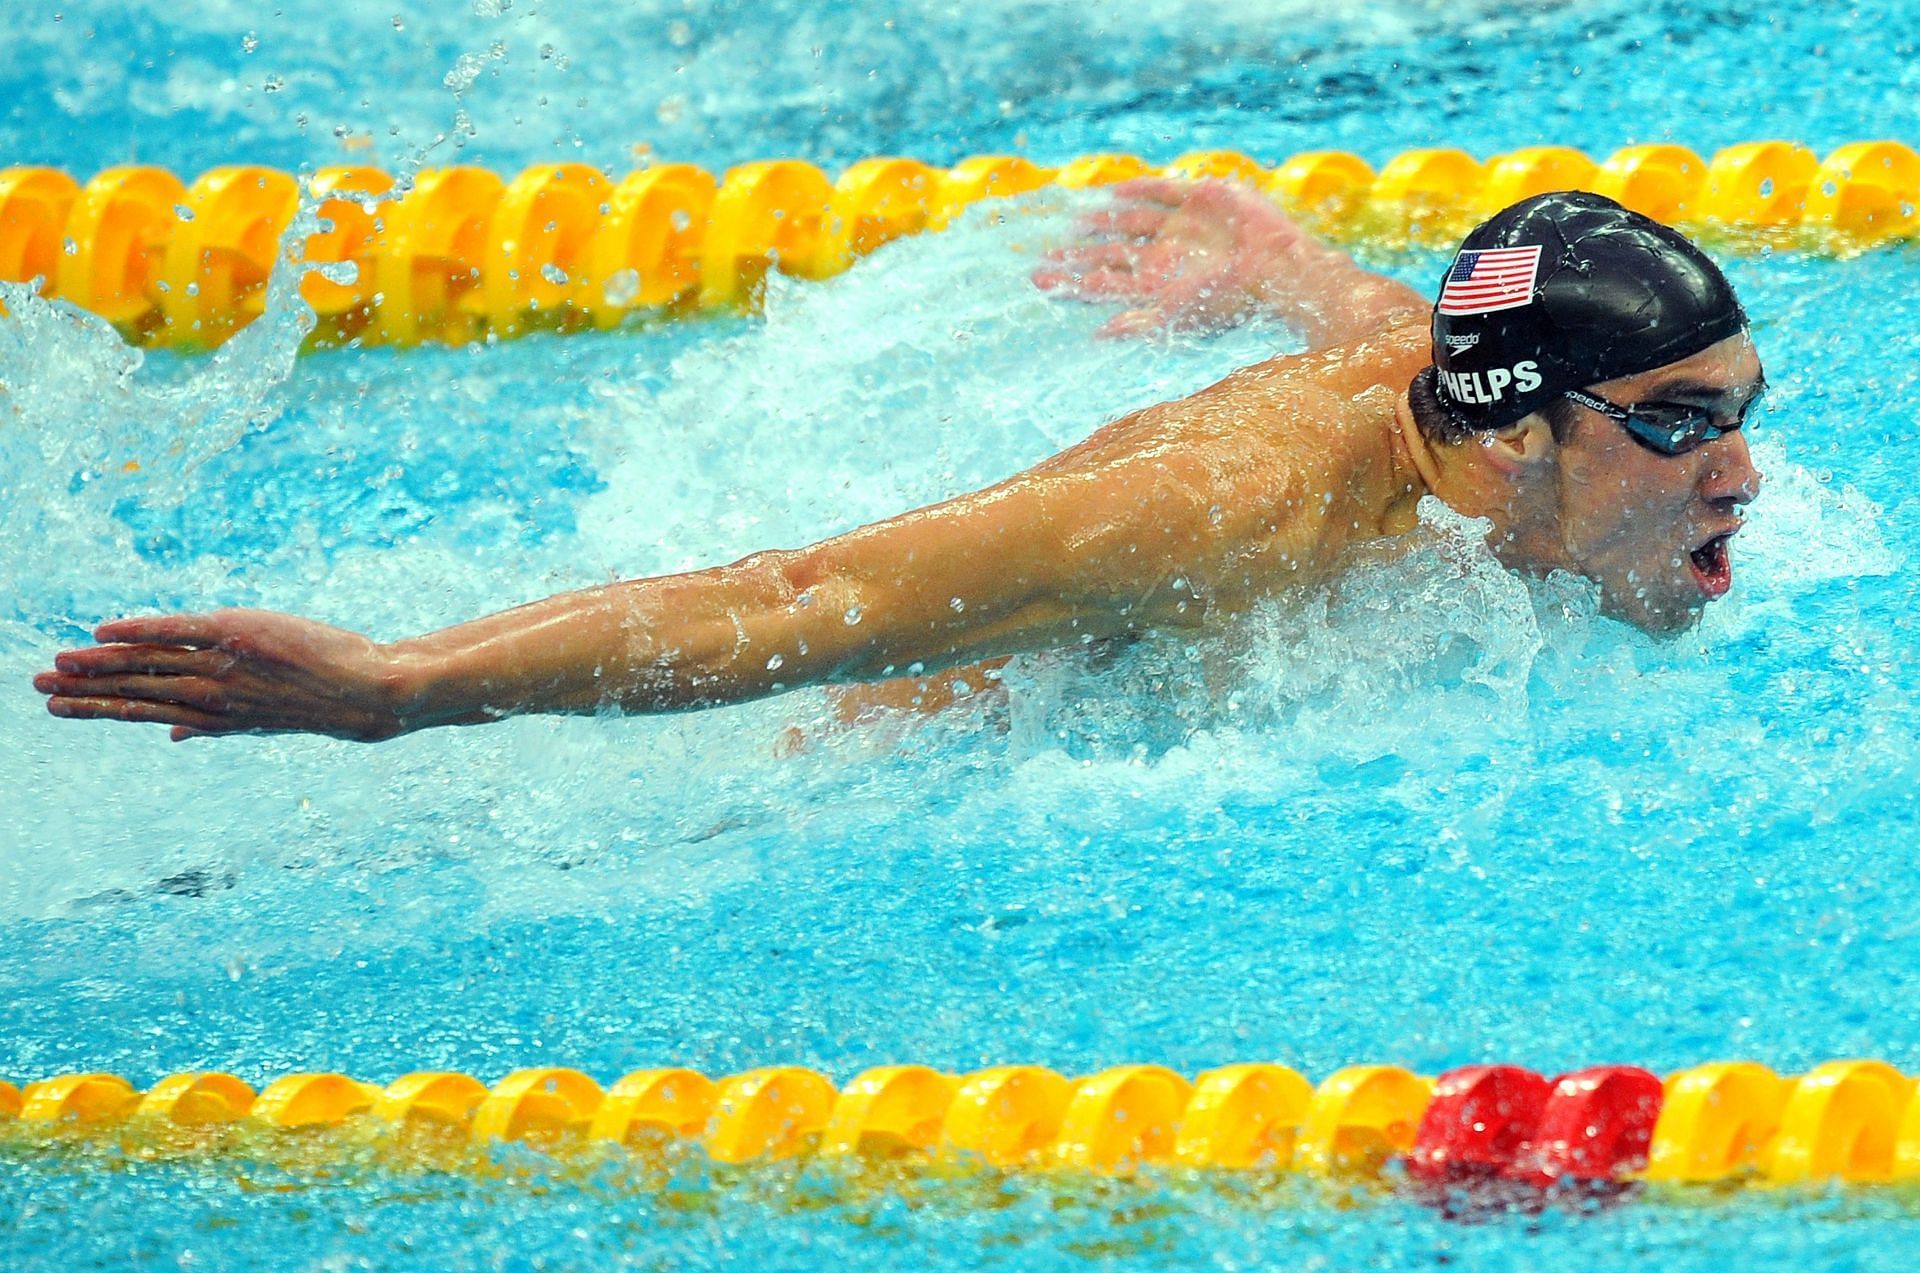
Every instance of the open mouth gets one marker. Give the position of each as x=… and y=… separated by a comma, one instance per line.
x=1712, y=567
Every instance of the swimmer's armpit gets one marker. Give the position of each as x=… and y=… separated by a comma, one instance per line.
x=1210, y=255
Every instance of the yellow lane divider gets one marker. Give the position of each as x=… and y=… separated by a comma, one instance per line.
x=464, y=254
x=1737, y=1122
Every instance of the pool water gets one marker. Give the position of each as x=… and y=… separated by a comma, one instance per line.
x=1433, y=816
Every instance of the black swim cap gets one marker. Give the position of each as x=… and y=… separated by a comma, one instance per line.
x=1566, y=290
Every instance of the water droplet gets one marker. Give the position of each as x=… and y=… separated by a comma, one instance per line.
x=249, y=42
x=1214, y=515
x=623, y=287
x=681, y=219
x=182, y=211
x=1766, y=188
x=344, y=273
x=72, y=248
x=272, y=84
x=774, y=664
x=958, y=605
x=852, y=616
x=553, y=274
x=399, y=23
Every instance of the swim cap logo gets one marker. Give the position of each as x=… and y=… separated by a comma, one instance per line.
x=1470, y=386
x=1488, y=281
x=1467, y=341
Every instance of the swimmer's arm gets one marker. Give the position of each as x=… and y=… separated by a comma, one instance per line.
x=1330, y=299
x=1210, y=255
x=1095, y=543
x=1036, y=563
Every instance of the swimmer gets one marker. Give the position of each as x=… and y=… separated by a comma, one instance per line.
x=1580, y=382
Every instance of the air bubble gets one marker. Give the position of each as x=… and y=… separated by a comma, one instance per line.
x=623, y=287
x=775, y=663
x=852, y=616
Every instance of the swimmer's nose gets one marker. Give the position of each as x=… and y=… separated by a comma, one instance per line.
x=1730, y=477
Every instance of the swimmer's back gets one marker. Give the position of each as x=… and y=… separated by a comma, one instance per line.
x=1297, y=454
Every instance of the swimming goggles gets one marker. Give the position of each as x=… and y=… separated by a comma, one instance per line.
x=1667, y=428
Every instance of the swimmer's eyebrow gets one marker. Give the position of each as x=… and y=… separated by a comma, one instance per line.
x=1707, y=394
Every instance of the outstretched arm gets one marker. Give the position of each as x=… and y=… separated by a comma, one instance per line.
x=1210, y=255
x=1121, y=533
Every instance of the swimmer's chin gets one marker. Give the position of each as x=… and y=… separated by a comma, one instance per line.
x=1661, y=623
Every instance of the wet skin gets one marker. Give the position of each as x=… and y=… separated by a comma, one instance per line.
x=1605, y=507
x=1177, y=516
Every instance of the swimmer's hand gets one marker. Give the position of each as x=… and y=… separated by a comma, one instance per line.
x=230, y=672
x=1188, y=256
x=1207, y=256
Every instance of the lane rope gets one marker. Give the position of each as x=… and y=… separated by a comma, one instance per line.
x=463, y=254
x=1724, y=1123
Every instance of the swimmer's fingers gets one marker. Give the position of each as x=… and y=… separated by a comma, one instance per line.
x=1093, y=284
x=104, y=707
x=1105, y=271
x=168, y=660
x=1098, y=255
x=166, y=629
x=1134, y=322
x=188, y=719
x=1124, y=223
x=191, y=691
x=1198, y=302
x=1151, y=320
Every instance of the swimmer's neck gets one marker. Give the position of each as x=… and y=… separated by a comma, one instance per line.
x=1458, y=476
x=1414, y=473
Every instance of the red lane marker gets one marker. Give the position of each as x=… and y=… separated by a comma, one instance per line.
x=1596, y=1126
x=1479, y=1120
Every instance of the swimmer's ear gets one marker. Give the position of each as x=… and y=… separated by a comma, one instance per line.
x=1521, y=448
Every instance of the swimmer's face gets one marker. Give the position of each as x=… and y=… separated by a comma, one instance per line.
x=1652, y=529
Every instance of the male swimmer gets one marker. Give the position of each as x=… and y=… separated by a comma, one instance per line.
x=1580, y=382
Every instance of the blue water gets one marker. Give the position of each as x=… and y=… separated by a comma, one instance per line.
x=1433, y=817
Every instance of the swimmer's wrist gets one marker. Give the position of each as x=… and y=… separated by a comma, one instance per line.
x=415, y=688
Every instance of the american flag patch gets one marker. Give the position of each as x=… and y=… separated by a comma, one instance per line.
x=1482, y=282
